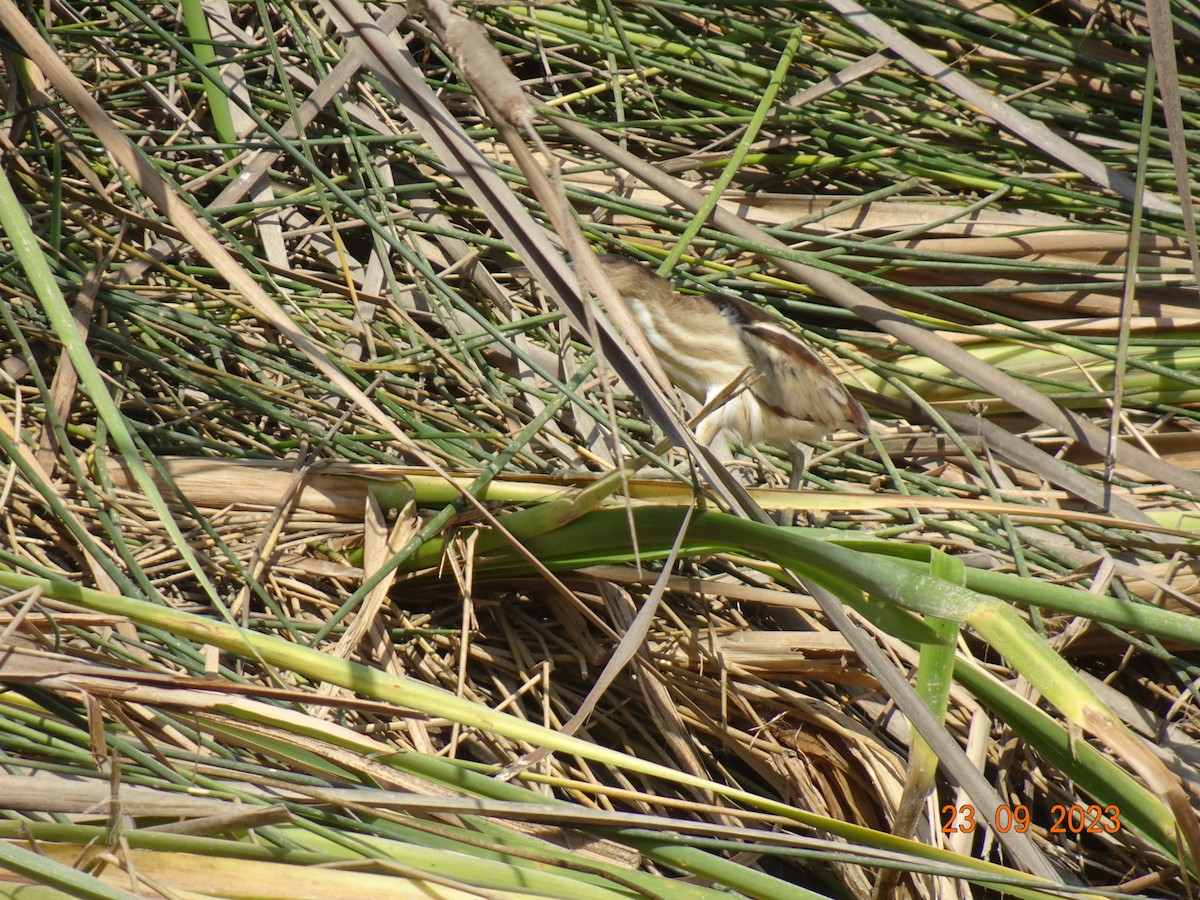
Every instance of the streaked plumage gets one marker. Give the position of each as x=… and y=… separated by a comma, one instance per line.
x=706, y=341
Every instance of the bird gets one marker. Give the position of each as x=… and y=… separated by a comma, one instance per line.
x=706, y=342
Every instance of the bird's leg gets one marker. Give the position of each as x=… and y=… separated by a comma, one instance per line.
x=749, y=468
x=762, y=468
x=799, y=457
x=723, y=416
x=706, y=427
x=713, y=433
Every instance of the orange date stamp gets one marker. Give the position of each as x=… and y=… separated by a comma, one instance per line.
x=1075, y=819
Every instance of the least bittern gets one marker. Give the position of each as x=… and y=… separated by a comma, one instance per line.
x=707, y=341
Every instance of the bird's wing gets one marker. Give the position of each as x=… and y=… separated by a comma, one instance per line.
x=793, y=382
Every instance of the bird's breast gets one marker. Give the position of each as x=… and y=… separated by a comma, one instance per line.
x=700, y=352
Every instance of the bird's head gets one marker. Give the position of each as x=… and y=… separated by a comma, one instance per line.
x=635, y=282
